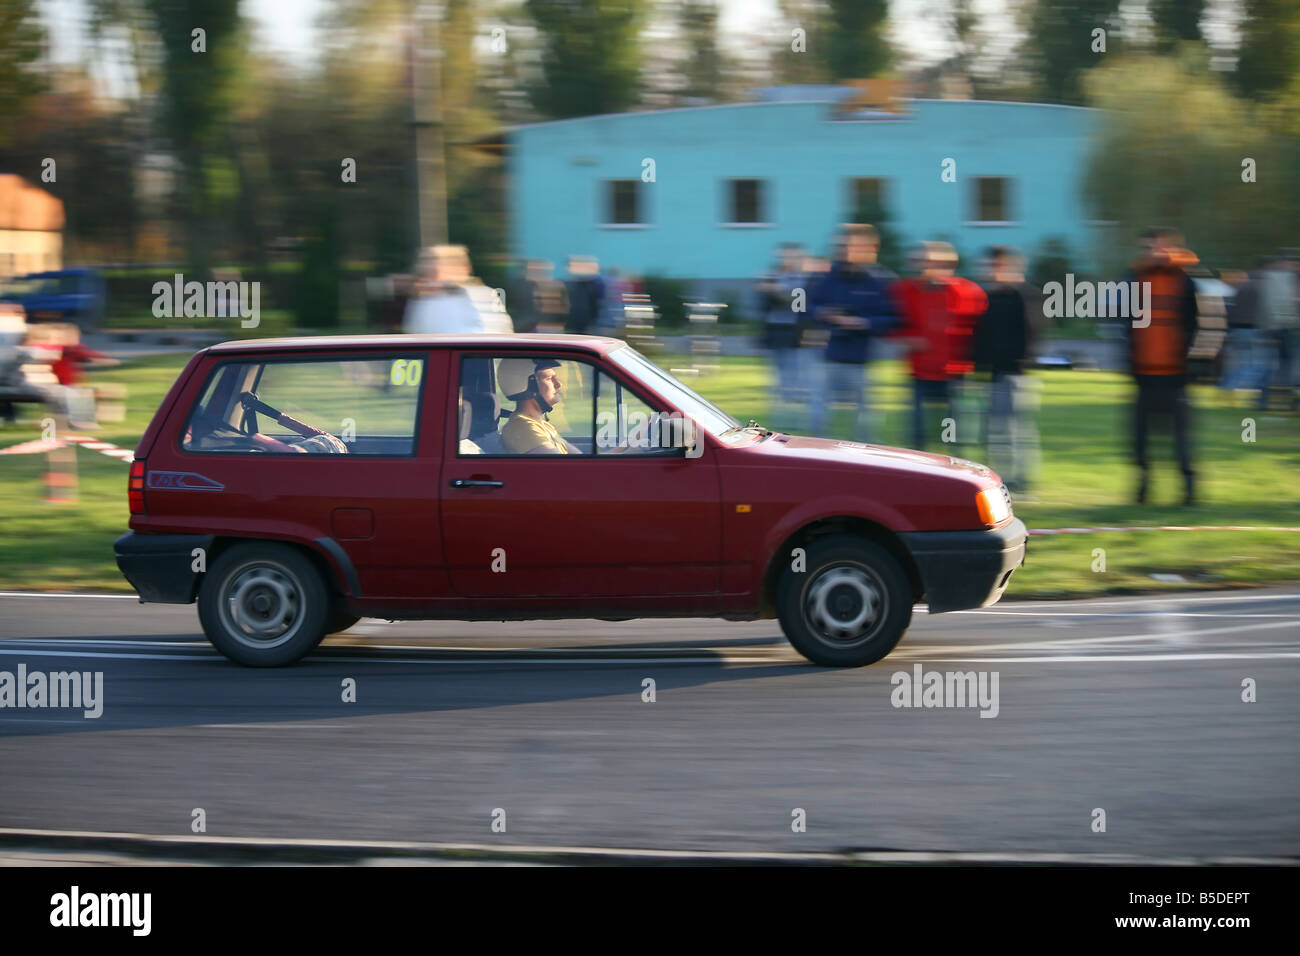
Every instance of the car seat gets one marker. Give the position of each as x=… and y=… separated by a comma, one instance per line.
x=466, y=447
x=483, y=431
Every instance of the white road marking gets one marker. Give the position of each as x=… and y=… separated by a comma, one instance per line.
x=1148, y=613
x=6, y=652
x=905, y=654
x=1190, y=599
x=63, y=594
x=127, y=841
x=1082, y=641
x=1108, y=658
x=100, y=642
x=716, y=659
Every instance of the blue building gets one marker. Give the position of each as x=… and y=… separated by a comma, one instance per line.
x=707, y=193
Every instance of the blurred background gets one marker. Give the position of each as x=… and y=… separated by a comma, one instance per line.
x=226, y=153
x=635, y=169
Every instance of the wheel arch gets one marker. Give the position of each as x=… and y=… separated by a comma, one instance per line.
x=836, y=524
x=334, y=578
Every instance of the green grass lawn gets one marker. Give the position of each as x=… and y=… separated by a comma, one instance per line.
x=1085, y=480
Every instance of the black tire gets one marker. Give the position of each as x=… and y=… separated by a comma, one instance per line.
x=827, y=610
x=264, y=604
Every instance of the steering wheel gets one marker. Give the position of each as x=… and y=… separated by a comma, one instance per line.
x=253, y=439
x=317, y=438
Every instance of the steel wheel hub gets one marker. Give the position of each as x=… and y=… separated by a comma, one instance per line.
x=263, y=606
x=845, y=604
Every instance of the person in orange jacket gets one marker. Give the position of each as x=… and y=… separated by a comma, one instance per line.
x=939, y=310
x=1158, y=345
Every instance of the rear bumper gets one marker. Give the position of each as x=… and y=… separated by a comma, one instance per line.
x=965, y=569
x=161, y=566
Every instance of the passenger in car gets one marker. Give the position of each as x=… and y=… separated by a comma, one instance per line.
x=534, y=386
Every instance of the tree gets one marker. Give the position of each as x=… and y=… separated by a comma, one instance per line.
x=197, y=104
x=698, y=22
x=857, y=45
x=22, y=42
x=1177, y=21
x=1170, y=149
x=1060, y=42
x=590, y=56
x=1269, y=59
x=802, y=60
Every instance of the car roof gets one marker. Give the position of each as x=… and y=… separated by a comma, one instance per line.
x=400, y=342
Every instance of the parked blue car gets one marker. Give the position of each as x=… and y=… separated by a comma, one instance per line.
x=68, y=295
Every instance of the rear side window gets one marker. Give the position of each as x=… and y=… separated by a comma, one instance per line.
x=353, y=406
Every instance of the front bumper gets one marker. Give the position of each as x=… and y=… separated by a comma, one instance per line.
x=965, y=569
x=161, y=566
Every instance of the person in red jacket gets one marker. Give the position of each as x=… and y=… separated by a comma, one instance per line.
x=939, y=311
x=73, y=359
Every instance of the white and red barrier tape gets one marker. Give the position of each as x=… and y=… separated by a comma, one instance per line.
x=42, y=445
x=1162, y=527
x=103, y=447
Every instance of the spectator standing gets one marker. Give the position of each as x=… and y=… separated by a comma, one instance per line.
x=1277, y=324
x=447, y=298
x=542, y=302
x=782, y=332
x=586, y=292
x=1241, y=365
x=853, y=304
x=939, y=310
x=1158, y=346
x=1002, y=343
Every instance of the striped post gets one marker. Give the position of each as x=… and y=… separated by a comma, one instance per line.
x=61, y=469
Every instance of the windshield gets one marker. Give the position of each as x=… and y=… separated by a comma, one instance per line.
x=707, y=415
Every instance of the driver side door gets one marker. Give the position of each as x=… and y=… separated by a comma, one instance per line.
x=610, y=521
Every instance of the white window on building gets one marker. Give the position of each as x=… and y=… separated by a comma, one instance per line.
x=991, y=200
x=745, y=202
x=623, y=202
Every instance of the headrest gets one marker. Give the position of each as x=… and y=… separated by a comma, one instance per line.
x=485, y=409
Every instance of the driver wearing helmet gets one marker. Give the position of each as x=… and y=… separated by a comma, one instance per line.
x=534, y=386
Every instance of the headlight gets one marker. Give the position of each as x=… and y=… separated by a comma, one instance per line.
x=994, y=505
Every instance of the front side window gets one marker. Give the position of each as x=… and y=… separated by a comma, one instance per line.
x=352, y=406
x=541, y=405
x=533, y=405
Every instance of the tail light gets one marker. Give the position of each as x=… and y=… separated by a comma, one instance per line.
x=135, y=488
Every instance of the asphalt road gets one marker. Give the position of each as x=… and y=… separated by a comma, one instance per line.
x=1130, y=705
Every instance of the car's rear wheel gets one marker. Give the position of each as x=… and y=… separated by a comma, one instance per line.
x=263, y=604
x=849, y=607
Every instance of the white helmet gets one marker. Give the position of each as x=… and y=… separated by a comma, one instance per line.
x=517, y=378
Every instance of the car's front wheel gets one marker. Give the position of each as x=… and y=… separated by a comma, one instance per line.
x=848, y=605
x=263, y=604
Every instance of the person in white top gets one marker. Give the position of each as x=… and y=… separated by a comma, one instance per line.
x=446, y=298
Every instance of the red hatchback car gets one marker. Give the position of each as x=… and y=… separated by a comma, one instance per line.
x=293, y=486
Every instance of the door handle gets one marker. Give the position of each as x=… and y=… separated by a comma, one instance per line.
x=476, y=483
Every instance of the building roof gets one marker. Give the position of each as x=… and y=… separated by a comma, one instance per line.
x=28, y=207
x=769, y=96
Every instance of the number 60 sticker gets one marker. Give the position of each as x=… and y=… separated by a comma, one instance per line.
x=406, y=372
